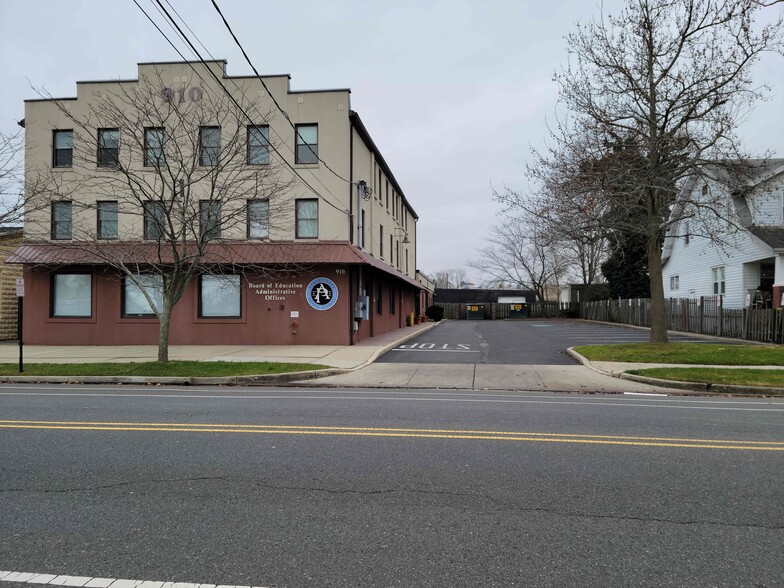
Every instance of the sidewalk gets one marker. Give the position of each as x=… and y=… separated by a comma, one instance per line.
x=352, y=366
x=339, y=357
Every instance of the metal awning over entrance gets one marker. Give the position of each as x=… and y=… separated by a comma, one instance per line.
x=241, y=253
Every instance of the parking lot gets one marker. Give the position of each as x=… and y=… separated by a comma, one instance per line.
x=538, y=342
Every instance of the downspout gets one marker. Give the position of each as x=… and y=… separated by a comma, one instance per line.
x=351, y=222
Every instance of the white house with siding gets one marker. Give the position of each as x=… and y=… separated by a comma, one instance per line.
x=734, y=246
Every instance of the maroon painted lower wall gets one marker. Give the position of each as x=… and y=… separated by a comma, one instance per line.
x=269, y=309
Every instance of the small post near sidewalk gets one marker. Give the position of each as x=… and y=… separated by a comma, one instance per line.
x=19, y=314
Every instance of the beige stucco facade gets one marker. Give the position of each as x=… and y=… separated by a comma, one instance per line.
x=346, y=152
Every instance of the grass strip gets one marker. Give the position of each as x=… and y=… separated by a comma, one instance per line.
x=688, y=353
x=731, y=376
x=153, y=368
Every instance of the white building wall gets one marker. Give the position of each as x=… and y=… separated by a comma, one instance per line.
x=693, y=264
x=735, y=249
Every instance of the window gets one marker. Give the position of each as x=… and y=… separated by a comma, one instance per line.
x=381, y=241
x=718, y=280
x=219, y=296
x=62, y=149
x=108, y=147
x=72, y=295
x=258, y=219
x=134, y=303
x=379, y=300
x=687, y=232
x=62, y=220
x=258, y=145
x=107, y=220
x=387, y=194
x=307, y=143
x=154, y=220
x=210, y=219
x=675, y=282
x=209, y=146
x=307, y=219
x=361, y=234
x=391, y=300
x=391, y=250
x=154, y=142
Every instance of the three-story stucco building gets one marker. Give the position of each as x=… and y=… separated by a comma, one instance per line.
x=278, y=202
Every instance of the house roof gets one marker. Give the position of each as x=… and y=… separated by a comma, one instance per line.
x=771, y=236
x=740, y=178
x=240, y=253
x=477, y=296
x=748, y=173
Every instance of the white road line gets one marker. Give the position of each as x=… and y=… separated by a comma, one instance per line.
x=89, y=582
x=188, y=394
x=439, y=350
x=643, y=394
x=674, y=403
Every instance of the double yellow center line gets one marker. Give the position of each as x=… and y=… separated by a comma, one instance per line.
x=519, y=436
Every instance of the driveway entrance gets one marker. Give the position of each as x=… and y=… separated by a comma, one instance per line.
x=537, y=342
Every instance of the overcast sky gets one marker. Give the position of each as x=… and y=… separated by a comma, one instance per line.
x=454, y=93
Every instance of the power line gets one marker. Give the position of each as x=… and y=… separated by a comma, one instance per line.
x=258, y=75
x=252, y=104
x=226, y=90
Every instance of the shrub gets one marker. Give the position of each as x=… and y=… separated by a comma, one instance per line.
x=435, y=313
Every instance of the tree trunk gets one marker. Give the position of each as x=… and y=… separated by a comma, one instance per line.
x=658, y=314
x=163, y=334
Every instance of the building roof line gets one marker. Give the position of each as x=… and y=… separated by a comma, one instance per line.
x=357, y=123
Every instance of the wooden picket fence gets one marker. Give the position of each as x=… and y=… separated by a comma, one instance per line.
x=705, y=315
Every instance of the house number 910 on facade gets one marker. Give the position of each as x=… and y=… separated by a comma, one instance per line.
x=193, y=94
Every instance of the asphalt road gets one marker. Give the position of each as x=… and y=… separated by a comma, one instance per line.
x=537, y=342
x=300, y=488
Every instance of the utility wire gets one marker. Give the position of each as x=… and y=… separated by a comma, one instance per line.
x=218, y=80
x=253, y=105
x=231, y=97
x=258, y=75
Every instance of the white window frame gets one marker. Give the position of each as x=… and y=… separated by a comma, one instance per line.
x=718, y=275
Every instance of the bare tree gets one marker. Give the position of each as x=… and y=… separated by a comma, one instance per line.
x=11, y=202
x=655, y=95
x=450, y=278
x=523, y=252
x=577, y=230
x=174, y=185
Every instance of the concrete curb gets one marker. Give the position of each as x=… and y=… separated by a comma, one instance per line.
x=176, y=381
x=699, y=388
x=392, y=345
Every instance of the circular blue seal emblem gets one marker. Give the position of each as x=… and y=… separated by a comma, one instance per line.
x=322, y=293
